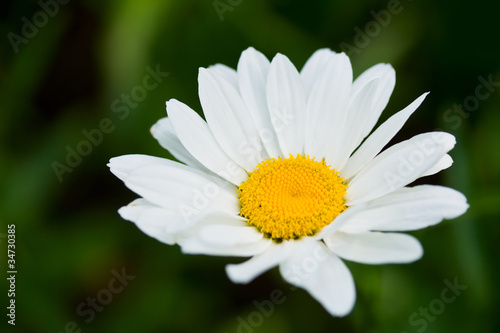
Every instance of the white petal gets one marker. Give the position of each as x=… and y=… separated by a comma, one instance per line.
x=121, y=166
x=225, y=235
x=314, y=67
x=378, y=139
x=327, y=108
x=229, y=119
x=375, y=247
x=188, y=193
x=164, y=132
x=145, y=214
x=386, y=81
x=352, y=136
x=227, y=72
x=151, y=219
x=169, y=226
x=410, y=208
x=223, y=218
x=199, y=245
x=253, y=68
x=444, y=163
x=197, y=138
x=250, y=269
x=212, y=218
x=287, y=105
x=316, y=269
x=398, y=166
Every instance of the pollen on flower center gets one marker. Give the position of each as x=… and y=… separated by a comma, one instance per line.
x=292, y=197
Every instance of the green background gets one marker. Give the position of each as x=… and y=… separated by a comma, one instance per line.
x=69, y=237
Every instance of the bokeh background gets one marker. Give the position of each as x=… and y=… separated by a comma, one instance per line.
x=66, y=77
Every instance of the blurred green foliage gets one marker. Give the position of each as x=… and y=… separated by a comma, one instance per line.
x=66, y=79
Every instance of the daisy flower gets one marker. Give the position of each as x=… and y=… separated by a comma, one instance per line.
x=288, y=170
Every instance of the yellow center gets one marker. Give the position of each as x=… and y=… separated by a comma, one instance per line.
x=292, y=197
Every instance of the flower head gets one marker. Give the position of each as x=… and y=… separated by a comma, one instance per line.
x=288, y=170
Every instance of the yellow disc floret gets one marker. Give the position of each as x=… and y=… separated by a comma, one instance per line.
x=292, y=197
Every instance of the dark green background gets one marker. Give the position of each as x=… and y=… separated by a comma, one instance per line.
x=70, y=238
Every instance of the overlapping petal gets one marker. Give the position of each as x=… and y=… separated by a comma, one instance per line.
x=174, y=186
x=386, y=78
x=191, y=131
x=410, y=208
x=164, y=132
x=253, y=69
x=228, y=119
x=314, y=67
x=378, y=139
x=398, y=166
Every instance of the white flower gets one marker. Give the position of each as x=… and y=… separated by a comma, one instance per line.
x=281, y=172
